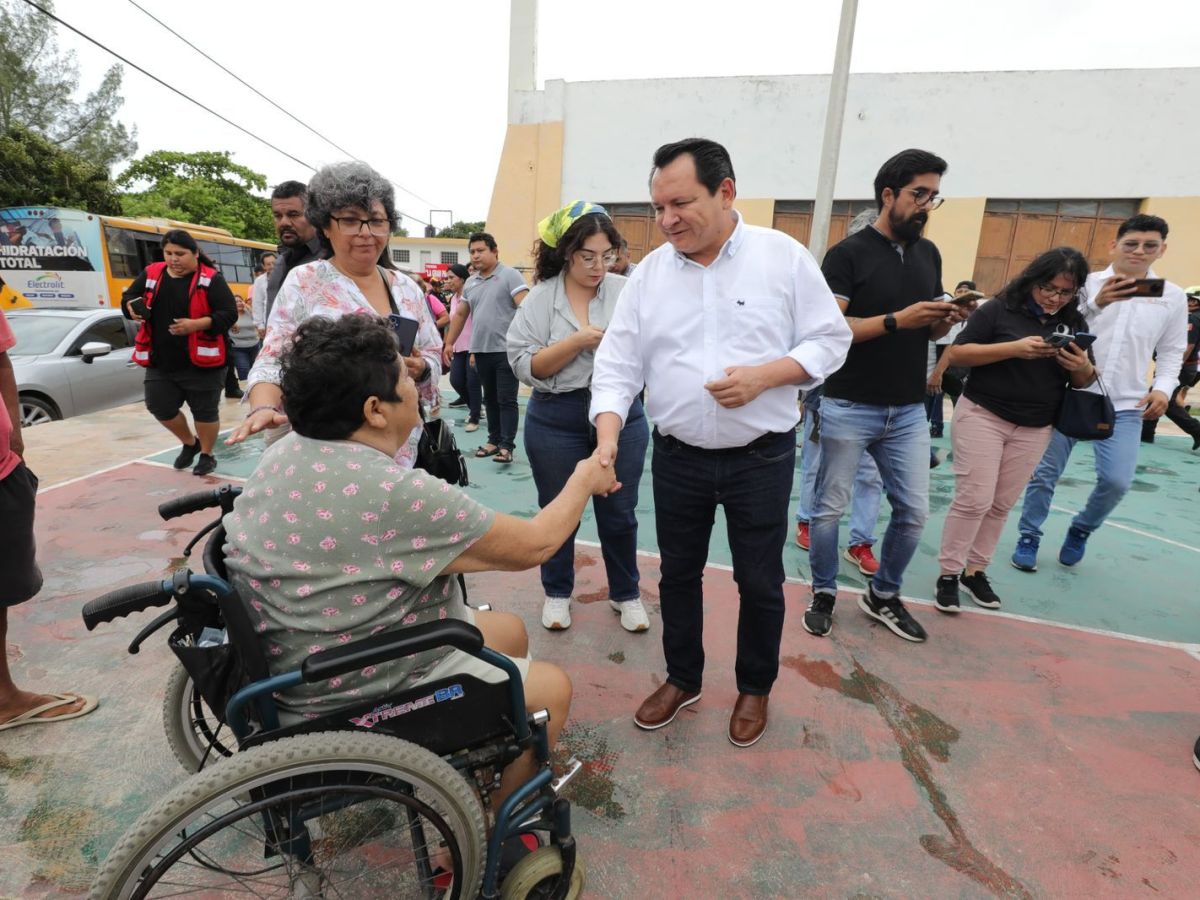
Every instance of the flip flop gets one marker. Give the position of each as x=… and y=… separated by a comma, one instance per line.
x=503, y=456
x=33, y=717
x=481, y=452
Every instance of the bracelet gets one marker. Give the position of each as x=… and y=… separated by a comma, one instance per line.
x=259, y=409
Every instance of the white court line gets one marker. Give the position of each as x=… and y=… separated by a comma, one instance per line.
x=1153, y=537
x=1191, y=649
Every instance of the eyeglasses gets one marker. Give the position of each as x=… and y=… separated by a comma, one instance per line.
x=1051, y=291
x=591, y=260
x=925, y=197
x=353, y=225
x=1148, y=246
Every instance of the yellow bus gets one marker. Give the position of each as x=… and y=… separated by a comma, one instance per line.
x=52, y=257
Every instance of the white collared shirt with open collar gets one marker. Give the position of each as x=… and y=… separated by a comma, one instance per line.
x=678, y=325
x=1129, y=333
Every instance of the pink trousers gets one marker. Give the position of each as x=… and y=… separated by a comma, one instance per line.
x=993, y=460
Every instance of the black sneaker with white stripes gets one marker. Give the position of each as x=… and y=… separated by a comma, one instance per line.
x=818, y=618
x=980, y=589
x=892, y=614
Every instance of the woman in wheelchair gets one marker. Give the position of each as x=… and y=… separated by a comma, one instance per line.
x=331, y=541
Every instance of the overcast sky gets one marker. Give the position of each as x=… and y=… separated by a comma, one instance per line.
x=418, y=89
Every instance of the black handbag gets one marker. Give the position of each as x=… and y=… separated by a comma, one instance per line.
x=1086, y=416
x=438, y=453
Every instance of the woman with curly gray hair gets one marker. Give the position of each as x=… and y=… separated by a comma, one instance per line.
x=353, y=208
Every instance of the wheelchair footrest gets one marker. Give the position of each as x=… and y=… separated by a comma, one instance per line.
x=572, y=769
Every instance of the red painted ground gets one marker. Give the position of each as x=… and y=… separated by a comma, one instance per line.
x=1000, y=759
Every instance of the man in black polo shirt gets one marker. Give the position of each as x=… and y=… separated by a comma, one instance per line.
x=886, y=278
x=298, y=241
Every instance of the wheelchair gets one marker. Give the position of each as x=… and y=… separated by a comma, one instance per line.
x=383, y=798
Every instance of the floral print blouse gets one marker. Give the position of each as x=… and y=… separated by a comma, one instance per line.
x=319, y=289
x=332, y=541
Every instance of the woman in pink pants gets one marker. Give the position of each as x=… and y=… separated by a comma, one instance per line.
x=1002, y=424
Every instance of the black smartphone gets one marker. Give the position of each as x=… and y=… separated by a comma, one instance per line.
x=967, y=297
x=1059, y=339
x=1083, y=340
x=138, y=305
x=406, y=332
x=1148, y=287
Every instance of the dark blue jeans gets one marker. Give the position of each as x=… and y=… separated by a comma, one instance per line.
x=243, y=359
x=557, y=436
x=499, y=398
x=753, y=485
x=465, y=380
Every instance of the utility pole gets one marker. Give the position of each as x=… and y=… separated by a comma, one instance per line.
x=831, y=144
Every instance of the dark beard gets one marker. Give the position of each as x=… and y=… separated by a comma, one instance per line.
x=908, y=230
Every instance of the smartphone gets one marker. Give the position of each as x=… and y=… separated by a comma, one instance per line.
x=1148, y=287
x=138, y=305
x=1058, y=339
x=1083, y=340
x=967, y=297
x=406, y=332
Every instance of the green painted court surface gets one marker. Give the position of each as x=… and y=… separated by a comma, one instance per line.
x=1139, y=576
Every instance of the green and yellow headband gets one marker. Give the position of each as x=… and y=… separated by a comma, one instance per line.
x=554, y=226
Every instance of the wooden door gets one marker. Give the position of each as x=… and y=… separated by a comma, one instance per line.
x=1075, y=233
x=798, y=225
x=634, y=229
x=995, y=247
x=1099, y=252
x=1033, y=236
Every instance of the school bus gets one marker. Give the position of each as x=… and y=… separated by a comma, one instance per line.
x=52, y=257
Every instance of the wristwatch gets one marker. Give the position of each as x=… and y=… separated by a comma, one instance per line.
x=889, y=323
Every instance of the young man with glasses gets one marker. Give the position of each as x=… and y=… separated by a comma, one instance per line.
x=491, y=297
x=1130, y=329
x=885, y=279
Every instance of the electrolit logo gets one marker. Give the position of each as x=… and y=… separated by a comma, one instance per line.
x=47, y=281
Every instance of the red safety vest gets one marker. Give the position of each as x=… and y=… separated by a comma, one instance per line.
x=205, y=351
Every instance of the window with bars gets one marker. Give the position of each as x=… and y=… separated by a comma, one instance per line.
x=449, y=257
x=400, y=256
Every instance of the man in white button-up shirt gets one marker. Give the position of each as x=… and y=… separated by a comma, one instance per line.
x=1130, y=329
x=723, y=325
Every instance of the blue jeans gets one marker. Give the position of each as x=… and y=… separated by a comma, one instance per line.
x=464, y=378
x=243, y=359
x=753, y=485
x=557, y=436
x=868, y=487
x=499, y=398
x=897, y=437
x=1116, y=463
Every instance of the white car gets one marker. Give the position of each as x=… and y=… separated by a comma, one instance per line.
x=73, y=361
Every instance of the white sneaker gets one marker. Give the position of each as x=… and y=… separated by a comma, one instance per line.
x=556, y=613
x=633, y=614
x=472, y=426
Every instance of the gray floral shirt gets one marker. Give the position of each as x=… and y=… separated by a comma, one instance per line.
x=332, y=541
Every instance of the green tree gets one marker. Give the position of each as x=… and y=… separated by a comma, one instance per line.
x=206, y=188
x=35, y=172
x=462, y=229
x=39, y=88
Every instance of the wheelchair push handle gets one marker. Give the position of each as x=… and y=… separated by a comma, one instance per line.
x=127, y=600
x=182, y=506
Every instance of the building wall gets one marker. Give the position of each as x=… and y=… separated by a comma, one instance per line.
x=435, y=247
x=1006, y=135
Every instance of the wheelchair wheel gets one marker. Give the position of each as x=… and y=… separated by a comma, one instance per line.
x=329, y=814
x=537, y=875
x=196, y=737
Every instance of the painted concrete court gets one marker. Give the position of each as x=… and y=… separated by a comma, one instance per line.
x=1003, y=758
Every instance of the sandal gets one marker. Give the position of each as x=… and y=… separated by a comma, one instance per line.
x=503, y=456
x=482, y=452
x=34, y=716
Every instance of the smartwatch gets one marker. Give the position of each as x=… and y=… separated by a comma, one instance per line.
x=889, y=323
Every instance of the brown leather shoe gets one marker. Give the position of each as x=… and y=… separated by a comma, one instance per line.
x=661, y=707
x=749, y=719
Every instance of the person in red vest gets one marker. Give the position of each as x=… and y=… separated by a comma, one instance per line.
x=185, y=308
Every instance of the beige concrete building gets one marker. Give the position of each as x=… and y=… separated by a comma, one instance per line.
x=1034, y=160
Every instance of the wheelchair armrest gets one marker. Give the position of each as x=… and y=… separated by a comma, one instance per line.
x=391, y=645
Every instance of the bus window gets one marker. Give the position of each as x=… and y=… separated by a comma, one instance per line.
x=131, y=251
x=122, y=252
